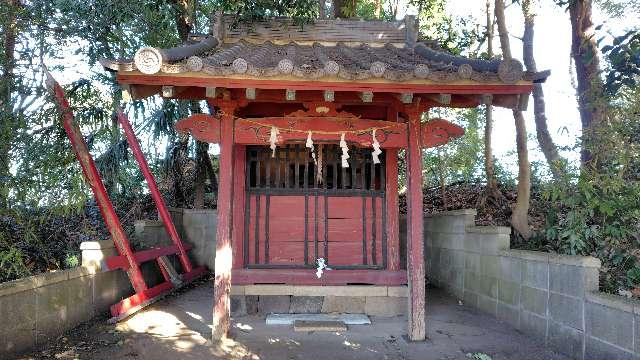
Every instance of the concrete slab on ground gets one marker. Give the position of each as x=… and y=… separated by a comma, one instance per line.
x=179, y=327
x=288, y=319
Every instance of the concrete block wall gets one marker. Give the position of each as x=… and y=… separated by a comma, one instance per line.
x=40, y=308
x=551, y=297
x=196, y=227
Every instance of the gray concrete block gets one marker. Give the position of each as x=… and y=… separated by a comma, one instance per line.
x=566, y=310
x=572, y=280
x=535, y=274
x=508, y=314
x=51, y=311
x=274, y=304
x=458, y=259
x=510, y=269
x=457, y=278
x=385, y=306
x=509, y=292
x=565, y=339
x=251, y=302
x=492, y=244
x=79, y=298
x=490, y=266
x=107, y=290
x=532, y=324
x=343, y=304
x=472, y=262
x=435, y=257
x=238, y=305
x=18, y=315
x=446, y=258
x=488, y=286
x=306, y=304
x=609, y=324
x=457, y=292
x=534, y=300
x=598, y=350
x=487, y=305
x=636, y=332
x=470, y=298
x=471, y=281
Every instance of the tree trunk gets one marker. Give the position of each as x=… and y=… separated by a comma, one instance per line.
x=489, y=168
x=548, y=147
x=202, y=156
x=378, y=9
x=584, y=51
x=338, y=8
x=321, y=10
x=8, y=122
x=184, y=15
x=519, y=217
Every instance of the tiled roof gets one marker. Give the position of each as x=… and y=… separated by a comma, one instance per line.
x=350, y=50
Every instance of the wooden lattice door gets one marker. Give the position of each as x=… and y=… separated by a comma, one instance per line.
x=297, y=214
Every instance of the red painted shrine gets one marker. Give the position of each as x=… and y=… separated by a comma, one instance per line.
x=311, y=123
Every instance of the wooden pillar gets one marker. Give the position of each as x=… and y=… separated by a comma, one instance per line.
x=239, y=203
x=393, y=226
x=415, y=237
x=224, y=252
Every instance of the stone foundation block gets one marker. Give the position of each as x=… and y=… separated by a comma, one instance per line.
x=343, y=304
x=306, y=304
x=384, y=306
x=274, y=304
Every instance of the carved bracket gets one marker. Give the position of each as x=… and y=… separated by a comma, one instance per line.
x=437, y=132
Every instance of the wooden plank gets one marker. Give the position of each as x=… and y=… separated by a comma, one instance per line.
x=224, y=252
x=391, y=207
x=258, y=131
x=239, y=202
x=415, y=238
x=120, y=262
x=308, y=277
x=310, y=325
x=305, y=84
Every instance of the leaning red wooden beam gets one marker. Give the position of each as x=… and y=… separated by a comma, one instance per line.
x=92, y=176
x=153, y=189
x=128, y=260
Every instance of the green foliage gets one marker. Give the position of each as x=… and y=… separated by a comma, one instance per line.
x=461, y=159
x=455, y=34
x=597, y=211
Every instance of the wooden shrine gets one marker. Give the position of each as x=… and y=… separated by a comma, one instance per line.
x=311, y=122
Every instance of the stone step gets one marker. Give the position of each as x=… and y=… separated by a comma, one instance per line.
x=312, y=325
x=289, y=319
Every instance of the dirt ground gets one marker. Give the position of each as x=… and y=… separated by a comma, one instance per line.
x=179, y=328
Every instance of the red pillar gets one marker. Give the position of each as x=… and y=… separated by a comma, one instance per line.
x=393, y=226
x=415, y=239
x=224, y=252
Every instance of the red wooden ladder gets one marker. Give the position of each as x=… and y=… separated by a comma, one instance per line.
x=128, y=260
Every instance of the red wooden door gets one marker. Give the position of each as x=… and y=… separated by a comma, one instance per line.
x=297, y=215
